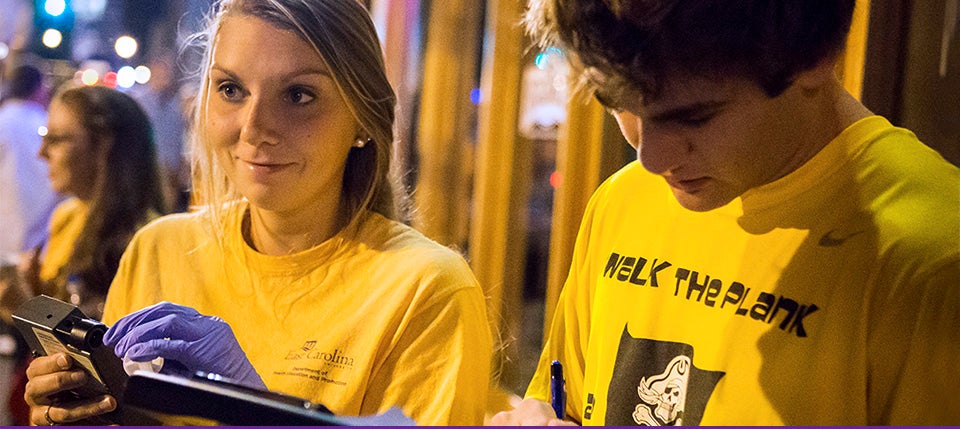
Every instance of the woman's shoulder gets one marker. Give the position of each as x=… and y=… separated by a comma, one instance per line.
x=394, y=237
x=71, y=211
x=398, y=244
x=176, y=220
x=189, y=226
x=68, y=208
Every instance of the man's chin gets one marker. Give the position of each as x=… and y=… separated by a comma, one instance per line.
x=700, y=201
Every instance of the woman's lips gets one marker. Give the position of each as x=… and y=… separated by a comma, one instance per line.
x=262, y=170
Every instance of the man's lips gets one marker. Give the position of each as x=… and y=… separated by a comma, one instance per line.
x=689, y=186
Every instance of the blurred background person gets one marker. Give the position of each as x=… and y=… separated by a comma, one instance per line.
x=26, y=199
x=161, y=100
x=100, y=152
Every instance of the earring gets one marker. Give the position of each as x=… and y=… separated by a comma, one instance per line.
x=362, y=142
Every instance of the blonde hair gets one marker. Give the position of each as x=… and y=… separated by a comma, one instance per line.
x=343, y=35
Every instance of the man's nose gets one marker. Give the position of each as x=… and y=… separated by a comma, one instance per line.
x=661, y=151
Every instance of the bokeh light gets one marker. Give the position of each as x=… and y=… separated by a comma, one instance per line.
x=90, y=77
x=125, y=46
x=55, y=7
x=142, y=74
x=110, y=79
x=52, y=38
x=126, y=77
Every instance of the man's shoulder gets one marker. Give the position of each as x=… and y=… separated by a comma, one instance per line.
x=630, y=186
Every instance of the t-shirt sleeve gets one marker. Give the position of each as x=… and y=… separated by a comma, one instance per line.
x=438, y=369
x=923, y=387
x=136, y=284
x=568, y=334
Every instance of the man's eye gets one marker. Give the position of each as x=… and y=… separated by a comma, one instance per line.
x=300, y=96
x=607, y=103
x=695, y=121
x=229, y=91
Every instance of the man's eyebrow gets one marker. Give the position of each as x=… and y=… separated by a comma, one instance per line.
x=687, y=111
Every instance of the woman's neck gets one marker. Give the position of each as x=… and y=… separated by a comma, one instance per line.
x=280, y=233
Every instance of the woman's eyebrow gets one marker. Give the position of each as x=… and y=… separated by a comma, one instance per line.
x=306, y=71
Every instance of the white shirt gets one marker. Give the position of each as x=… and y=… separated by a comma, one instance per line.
x=26, y=199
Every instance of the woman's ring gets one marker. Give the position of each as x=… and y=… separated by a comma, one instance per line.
x=46, y=415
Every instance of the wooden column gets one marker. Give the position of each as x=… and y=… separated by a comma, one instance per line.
x=852, y=63
x=447, y=116
x=398, y=22
x=589, y=149
x=496, y=236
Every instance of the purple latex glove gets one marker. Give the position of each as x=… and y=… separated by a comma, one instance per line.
x=182, y=335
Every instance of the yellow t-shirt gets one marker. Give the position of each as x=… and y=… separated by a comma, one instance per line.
x=383, y=317
x=66, y=224
x=828, y=297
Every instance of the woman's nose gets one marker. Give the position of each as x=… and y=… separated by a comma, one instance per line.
x=259, y=123
x=42, y=152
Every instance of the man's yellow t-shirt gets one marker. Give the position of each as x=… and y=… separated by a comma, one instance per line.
x=828, y=297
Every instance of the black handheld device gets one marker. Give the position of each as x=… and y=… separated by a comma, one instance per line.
x=50, y=326
x=213, y=397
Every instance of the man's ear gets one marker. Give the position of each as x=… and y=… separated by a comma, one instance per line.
x=824, y=72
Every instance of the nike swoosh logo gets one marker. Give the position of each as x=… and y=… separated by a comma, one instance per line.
x=830, y=240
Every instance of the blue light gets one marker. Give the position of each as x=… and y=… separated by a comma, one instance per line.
x=476, y=96
x=546, y=56
x=55, y=7
x=541, y=60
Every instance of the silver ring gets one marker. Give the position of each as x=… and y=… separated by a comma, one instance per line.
x=46, y=415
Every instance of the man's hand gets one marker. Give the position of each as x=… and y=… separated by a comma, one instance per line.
x=529, y=412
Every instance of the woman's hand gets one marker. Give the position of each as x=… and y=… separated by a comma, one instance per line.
x=50, y=375
x=18, y=283
x=181, y=334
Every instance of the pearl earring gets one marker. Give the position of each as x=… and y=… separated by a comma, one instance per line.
x=362, y=142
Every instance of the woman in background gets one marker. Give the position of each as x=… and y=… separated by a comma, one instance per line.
x=100, y=153
x=299, y=249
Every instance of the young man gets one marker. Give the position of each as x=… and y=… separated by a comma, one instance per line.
x=778, y=254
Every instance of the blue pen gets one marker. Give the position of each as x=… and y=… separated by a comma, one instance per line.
x=557, y=391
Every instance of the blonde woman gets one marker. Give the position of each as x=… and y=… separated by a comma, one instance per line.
x=299, y=251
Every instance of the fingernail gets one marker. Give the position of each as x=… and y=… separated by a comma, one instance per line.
x=107, y=404
x=77, y=377
x=62, y=362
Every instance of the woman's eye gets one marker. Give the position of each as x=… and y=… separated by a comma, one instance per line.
x=300, y=96
x=229, y=91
